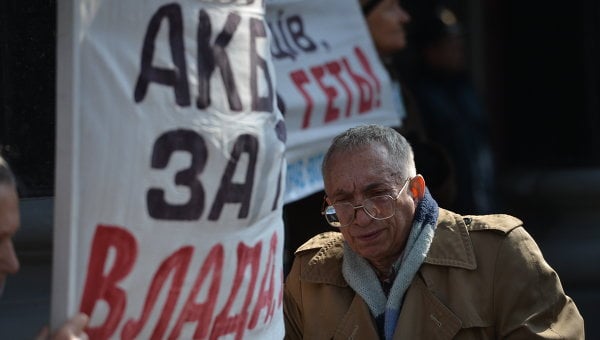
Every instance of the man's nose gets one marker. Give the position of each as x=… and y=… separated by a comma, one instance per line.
x=361, y=218
x=9, y=263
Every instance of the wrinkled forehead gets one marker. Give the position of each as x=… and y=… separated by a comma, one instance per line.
x=374, y=152
x=359, y=170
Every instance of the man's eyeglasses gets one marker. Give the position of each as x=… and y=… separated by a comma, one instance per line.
x=380, y=207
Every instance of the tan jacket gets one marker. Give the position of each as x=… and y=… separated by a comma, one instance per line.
x=484, y=278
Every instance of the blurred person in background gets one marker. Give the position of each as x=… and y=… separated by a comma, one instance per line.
x=387, y=21
x=9, y=263
x=450, y=109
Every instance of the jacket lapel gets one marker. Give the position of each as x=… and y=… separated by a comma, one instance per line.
x=355, y=324
x=451, y=244
x=424, y=316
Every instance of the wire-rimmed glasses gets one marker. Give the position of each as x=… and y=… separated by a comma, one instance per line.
x=381, y=207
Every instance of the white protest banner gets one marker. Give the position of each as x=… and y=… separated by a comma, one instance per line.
x=170, y=171
x=329, y=78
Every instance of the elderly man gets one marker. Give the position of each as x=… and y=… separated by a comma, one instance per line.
x=402, y=268
x=9, y=263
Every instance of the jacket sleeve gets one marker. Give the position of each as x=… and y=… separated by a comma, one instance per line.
x=291, y=308
x=529, y=300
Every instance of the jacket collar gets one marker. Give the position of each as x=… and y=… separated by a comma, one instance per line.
x=326, y=265
x=451, y=247
x=451, y=244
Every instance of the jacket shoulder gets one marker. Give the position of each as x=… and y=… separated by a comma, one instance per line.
x=320, y=259
x=498, y=222
x=320, y=241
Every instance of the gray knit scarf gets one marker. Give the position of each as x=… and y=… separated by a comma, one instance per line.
x=362, y=278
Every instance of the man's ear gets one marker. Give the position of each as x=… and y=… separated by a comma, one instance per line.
x=417, y=187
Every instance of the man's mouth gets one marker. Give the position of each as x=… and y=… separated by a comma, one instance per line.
x=369, y=236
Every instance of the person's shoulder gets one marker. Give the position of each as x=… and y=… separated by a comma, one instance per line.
x=499, y=222
x=461, y=239
x=326, y=240
x=320, y=259
x=496, y=222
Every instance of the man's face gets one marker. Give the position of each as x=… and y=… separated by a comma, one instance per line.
x=386, y=24
x=9, y=224
x=357, y=175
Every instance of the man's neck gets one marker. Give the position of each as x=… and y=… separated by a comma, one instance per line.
x=386, y=270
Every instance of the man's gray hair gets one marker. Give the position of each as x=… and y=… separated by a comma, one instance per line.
x=399, y=150
x=6, y=175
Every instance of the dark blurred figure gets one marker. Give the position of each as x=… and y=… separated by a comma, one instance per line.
x=450, y=109
x=387, y=21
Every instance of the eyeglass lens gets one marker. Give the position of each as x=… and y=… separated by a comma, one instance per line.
x=342, y=214
x=377, y=207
